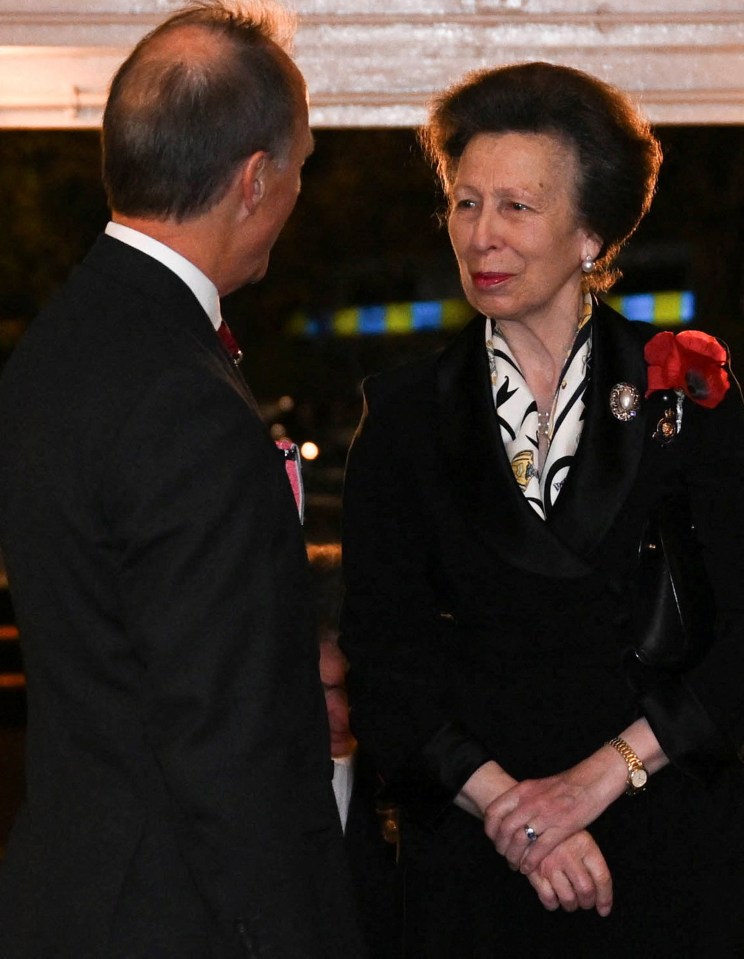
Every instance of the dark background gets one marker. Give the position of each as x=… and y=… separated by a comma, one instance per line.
x=366, y=230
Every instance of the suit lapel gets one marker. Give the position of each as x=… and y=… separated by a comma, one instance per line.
x=609, y=454
x=483, y=488
x=174, y=305
x=481, y=483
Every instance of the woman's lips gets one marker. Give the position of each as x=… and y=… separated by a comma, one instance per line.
x=485, y=281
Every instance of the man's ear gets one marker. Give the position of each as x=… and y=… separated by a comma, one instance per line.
x=253, y=180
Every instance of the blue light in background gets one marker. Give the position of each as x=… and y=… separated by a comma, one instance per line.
x=426, y=315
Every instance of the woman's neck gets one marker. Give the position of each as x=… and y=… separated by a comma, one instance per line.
x=541, y=351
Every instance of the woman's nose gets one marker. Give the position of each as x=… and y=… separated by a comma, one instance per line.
x=487, y=232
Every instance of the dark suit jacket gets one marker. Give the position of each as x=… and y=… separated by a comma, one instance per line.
x=179, y=793
x=475, y=630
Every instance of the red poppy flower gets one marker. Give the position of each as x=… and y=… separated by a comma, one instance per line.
x=690, y=361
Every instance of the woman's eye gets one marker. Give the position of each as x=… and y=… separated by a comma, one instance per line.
x=519, y=207
x=464, y=204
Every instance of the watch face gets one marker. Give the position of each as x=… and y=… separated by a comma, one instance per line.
x=638, y=778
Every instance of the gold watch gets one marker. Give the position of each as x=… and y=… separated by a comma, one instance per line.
x=637, y=773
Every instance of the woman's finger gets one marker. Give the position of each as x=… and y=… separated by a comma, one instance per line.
x=545, y=892
x=580, y=859
x=602, y=878
x=534, y=853
x=565, y=891
x=583, y=885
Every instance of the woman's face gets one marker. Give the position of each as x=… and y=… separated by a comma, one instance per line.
x=514, y=226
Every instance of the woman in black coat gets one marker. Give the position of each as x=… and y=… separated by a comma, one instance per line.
x=559, y=794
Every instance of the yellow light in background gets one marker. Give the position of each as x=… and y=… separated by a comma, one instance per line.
x=399, y=318
x=346, y=321
x=309, y=451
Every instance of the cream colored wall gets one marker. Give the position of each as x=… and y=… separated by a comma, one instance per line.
x=376, y=62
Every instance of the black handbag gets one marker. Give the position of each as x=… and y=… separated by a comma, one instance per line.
x=674, y=614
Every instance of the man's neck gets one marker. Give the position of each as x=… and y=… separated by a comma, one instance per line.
x=187, y=239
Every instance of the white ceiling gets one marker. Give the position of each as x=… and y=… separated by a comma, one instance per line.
x=375, y=63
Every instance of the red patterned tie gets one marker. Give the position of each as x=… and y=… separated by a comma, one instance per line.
x=230, y=343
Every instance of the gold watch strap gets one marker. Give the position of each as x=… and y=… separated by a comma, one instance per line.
x=634, y=763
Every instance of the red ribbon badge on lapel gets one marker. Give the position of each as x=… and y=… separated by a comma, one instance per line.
x=292, y=464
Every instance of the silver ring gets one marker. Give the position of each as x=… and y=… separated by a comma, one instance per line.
x=531, y=834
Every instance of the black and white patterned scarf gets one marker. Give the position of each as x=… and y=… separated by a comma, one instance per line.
x=516, y=410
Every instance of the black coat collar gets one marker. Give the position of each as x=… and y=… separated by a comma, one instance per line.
x=602, y=474
x=175, y=305
x=149, y=278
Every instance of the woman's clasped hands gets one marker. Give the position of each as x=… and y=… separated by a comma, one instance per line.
x=538, y=825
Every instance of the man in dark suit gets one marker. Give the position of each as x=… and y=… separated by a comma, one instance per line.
x=179, y=801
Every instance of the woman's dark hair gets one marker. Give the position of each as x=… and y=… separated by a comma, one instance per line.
x=618, y=155
x=176, y=128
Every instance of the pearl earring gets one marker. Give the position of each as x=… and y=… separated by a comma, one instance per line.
x=587, y=264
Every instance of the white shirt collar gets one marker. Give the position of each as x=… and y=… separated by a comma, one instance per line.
x=199, y=283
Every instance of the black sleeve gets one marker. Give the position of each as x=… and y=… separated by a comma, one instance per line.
x=396, y=627
x=698, y=715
